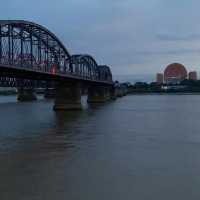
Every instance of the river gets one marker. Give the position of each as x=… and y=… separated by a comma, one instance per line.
x=142, y=147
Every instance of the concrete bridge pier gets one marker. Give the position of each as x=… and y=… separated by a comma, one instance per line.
x=26, y=94
x=98, y=94
x=49, y=93
x=121, y=91
x=68, y=96
x=113, y=93
x=118, y=92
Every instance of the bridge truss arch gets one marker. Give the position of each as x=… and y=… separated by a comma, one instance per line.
x=88, y=67
x=105, y=73
x=85, y=65
x=29, y=47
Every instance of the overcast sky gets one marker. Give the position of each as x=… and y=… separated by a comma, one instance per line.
x=132, y=36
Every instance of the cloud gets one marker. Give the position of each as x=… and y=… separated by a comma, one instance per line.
x=178, y=37
x=130, y=36
x=169, y=52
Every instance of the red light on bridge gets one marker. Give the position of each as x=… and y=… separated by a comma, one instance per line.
x=53, y=69
x=45, y=62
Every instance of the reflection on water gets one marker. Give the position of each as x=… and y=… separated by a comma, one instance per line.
x=138, y=147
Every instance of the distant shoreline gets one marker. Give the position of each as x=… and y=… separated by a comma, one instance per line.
x=7, y=93
x=164, y=93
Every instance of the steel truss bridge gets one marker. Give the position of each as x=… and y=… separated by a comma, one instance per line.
x=32, y=56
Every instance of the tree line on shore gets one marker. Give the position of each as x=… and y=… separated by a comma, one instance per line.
x=190, y=86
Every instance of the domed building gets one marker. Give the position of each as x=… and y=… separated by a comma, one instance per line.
x=175, y=73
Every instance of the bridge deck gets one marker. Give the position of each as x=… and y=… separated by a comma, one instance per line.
x=18, y=72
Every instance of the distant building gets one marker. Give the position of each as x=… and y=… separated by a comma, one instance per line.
x=192, y=75
x=159, y=78
x=175, y=73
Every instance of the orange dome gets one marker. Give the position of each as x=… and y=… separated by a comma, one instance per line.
x=175, y=71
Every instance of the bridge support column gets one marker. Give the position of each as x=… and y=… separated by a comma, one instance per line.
x=113, y=93
x=26, y=94
x=68, y=96
x=98, y=94
x=119, y=92
x=49, y=93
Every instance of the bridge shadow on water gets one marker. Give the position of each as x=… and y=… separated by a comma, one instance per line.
x=36, y=140
x=35, y=126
